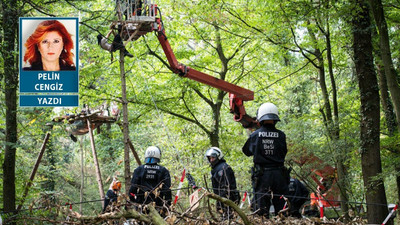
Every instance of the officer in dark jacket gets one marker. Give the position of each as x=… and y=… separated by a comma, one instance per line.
x=223, y=180
x=268, y=147
x=298, y=195
x=151, y=178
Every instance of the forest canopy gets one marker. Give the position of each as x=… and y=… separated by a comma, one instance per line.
x=331, y=68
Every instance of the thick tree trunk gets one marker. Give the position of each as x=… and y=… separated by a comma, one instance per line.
x=386, y=102
x=10, y=26
x=369, y=126
x=390, y=71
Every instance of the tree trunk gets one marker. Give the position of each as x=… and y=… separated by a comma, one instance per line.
x=335, y=127
x=125, y=123
x=386, y=102
x=340, y=162
x=369, y=125
x=96, y=163
x=325, y=95
x=10, y=65
x=331, y=121
x=390, y=71
x=216, y=108
x=322, y=83
x=390, y=117
x=34, y=170
x=135, y=155
x=82, y=175
x=49, y=162
x=387, y=105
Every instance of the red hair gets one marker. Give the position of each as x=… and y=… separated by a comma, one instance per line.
x=32, y=54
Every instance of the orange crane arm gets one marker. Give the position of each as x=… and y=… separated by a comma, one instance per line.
x=237, y=94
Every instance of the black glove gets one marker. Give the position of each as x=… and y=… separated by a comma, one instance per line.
x=191, y=180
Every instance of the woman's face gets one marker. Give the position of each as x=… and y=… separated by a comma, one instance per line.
x=51, y=46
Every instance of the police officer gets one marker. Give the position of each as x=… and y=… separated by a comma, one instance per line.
x=112, y=193
x=298, y=195
x=223, y=180
x=268, y=147
x=151, y=178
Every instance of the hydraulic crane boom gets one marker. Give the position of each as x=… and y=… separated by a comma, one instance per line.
x=236, y=94
x=140, y=21
x=201, y=77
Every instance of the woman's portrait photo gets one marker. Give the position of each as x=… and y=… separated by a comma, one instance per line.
x=50, y=46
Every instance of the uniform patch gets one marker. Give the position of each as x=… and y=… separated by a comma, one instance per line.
x=220, y=173
x=268, y=134
x=150, y=174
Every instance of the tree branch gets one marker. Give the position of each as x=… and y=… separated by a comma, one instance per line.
x=39, y=8
x=174, y=114
x=261, y=32
x=231, y=204
x=290, y=74
x=153, y=53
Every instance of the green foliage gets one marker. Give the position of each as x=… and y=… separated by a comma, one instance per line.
x=163, y=106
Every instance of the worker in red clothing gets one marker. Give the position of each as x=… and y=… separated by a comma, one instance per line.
x=112, y=193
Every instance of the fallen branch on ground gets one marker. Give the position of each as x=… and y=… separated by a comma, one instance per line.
x=231, y=204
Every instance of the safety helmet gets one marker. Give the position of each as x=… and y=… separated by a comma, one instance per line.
x=214, y=152
x=267, y=111
x=152, y=154
x=116, y=185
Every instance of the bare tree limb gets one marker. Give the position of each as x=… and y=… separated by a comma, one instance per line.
x=231, y=204
x=152, y=217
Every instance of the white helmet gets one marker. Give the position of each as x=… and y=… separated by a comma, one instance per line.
x=152, y=154
x=214, y=152
x=267, y=111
